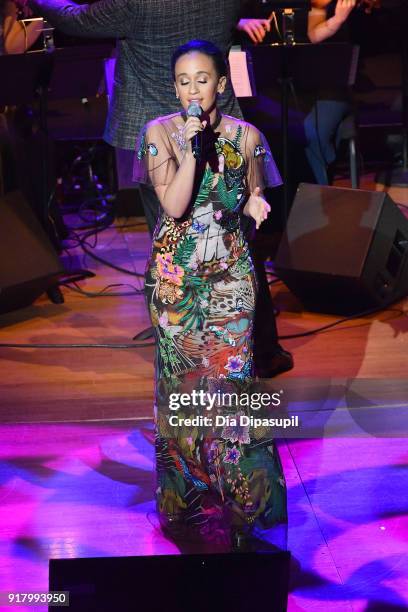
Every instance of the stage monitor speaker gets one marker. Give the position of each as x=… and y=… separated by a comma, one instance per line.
x=175, y=583
x=29, y=264
x=344, y=251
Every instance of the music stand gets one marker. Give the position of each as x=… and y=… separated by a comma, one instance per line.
x=286, y=67
x=78, y=72
x=288, y=9
x=51, y=74
x=23, y=73
x=75, y=72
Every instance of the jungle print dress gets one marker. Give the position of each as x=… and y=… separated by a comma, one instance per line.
x=201, y=290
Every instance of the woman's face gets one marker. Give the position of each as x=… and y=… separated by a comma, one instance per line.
x=196, y=80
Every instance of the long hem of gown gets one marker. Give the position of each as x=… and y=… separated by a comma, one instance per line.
x=191, y=539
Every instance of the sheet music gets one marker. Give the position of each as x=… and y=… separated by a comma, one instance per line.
x=239, y=74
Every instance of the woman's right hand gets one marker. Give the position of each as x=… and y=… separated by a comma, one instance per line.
x=256, y=29
x=192, y=126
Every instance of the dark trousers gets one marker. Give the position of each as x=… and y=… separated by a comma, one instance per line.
x=321, y=127
x=265, y=331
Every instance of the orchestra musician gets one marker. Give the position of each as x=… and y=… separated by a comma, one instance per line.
x=16, y=34
x=317, y=114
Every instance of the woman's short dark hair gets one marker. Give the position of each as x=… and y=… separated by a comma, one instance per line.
x=206, y=48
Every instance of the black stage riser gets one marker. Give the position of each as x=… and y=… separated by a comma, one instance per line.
x=174, y=583
x=344, y=251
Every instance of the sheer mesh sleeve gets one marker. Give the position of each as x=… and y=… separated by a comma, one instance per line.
x=261, y=168
x=155, y=161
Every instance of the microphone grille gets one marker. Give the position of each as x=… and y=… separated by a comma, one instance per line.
x=194, y=110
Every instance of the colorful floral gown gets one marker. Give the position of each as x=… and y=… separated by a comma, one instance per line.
x=201, y=291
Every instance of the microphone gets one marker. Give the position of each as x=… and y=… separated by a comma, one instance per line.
x=195, y=110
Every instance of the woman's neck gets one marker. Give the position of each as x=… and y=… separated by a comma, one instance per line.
x=212, y=113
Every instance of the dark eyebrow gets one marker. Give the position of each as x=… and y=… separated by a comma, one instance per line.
x=199, y=72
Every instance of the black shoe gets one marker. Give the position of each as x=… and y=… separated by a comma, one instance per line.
x=145, y=334
x=189, y=540
x=269, y=365
x=55, y=295
x=248, y=542
x=240, y=541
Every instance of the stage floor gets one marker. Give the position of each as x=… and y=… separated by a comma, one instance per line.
x=77, y=465
x=86, y=490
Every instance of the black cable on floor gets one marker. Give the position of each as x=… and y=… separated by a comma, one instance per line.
x=75, y=346
x=86, y=248
x=358, y=315
x=109, y=263
x=323, y=328
x=103, y=292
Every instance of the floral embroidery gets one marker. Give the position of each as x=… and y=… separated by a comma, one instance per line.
x=234, y=364
x=164, y=320
x=199, y=227
x=179, y=138
x=237, y=433
x=167, y=270
x=242, y=374
x=232, y=455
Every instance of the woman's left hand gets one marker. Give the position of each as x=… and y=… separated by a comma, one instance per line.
x=257, y=207
x=343, y=9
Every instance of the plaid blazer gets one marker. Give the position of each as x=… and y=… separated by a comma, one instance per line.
x=147, y=32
